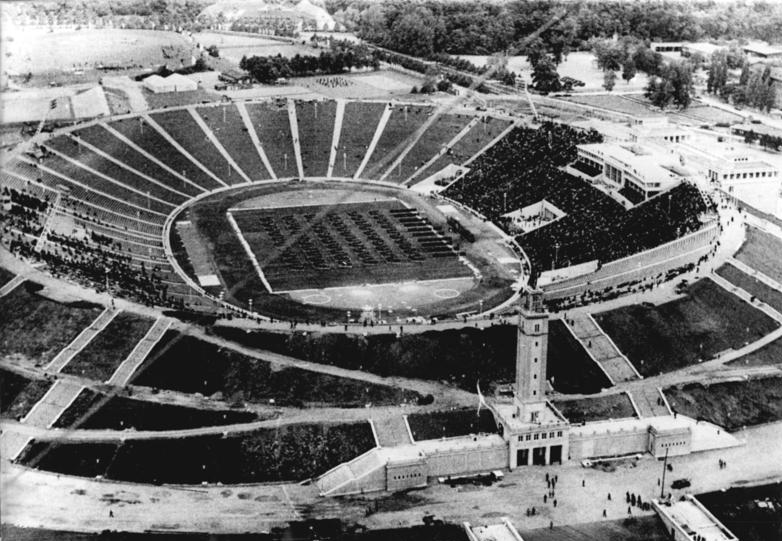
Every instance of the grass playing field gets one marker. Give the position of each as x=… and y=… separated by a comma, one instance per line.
x=707, y=321
x=348, y=244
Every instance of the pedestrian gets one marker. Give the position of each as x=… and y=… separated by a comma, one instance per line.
x=629, y=510
x=551, y=525
x=604, y=513
x=609, y=496
x=555, y=503
x=545, y=498
x=583, y=482
x=111, y=513
x=547, y=479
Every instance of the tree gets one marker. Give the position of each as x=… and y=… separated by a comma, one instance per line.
x=660, y=92
x=545, y=77
x=718, y=72
x=628, y=70
x=609, y=80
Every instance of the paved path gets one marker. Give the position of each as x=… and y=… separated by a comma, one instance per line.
x=650, y=402
x=124, y=372
x=80, y=342
x=602, y=348
x=340, y=115
x=391, y=431
x=11, y=285
x=381, y=125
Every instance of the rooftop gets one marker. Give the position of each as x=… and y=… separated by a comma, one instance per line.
x=693, y=518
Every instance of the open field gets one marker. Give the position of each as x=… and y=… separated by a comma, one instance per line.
x=447, y=424
x=347, y=244
x=93, y=410
x=55, y=324
x=705, y=322
x=68, y=50
x=763, y=252
x=732, y=404
x=753, y=286
x=463, y=357
x=104, y=353
x=19, y=394
x=598, y=408
x=361, y=85
x=186, y=364
x=739, y=510
x=288, y=453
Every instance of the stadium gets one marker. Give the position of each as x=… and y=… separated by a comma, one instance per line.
x=175, y=201
x=338, y=306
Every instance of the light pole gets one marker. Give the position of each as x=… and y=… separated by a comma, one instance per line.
x=665, y=466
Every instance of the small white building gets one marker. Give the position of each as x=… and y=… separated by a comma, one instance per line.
x=173, y=83
x=755, y=182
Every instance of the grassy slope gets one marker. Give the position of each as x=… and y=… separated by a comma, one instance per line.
x=763, y=252
x=101, y=357
x=18, y=394
x=706, y=321
x=55, y=324
x=731, y=404
x=614, y=406
x=189, y=365
x=753, y=286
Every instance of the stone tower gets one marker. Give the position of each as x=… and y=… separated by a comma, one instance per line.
x=531, y=351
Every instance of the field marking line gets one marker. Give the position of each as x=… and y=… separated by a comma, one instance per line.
x=340, y=115
x=125, y=166
x=448, y=146
x=216, y=142
x=255, y=139
x=149, y=156
x=116, y=199
x=250, y=253
x=294, y=124
x=107, y=178
x=381, y=126
x=173, y=142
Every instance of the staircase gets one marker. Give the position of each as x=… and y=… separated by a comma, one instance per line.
x=650, y=402
x=125, y=371
x=347, y=477
x=602, y=349
x=392, y=431
x=84, y=338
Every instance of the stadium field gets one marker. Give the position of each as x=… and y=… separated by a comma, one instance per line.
x=697, y=327
x=347, y=244
x=322, y=249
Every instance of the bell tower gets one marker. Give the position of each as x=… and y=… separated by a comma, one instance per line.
x=531, y=351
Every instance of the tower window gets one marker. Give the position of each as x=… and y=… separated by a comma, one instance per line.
x=537, y=328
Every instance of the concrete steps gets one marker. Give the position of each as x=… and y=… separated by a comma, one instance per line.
x=392, y=431
x=127, y=368
x=85, y=337
x=603, y=350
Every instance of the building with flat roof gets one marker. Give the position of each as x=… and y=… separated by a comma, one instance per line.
x=755, y=182
x=689, y=520
x=762, y=50
x=636, y=171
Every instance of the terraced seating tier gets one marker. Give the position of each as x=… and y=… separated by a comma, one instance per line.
x=397, y=135
x=316, y=129
x=358, y=127
x=147, y=138
x=227, y=125
x=272, y=124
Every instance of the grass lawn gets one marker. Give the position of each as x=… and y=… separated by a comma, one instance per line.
x=762, y=251
x=769, y=354
x=598, y=408
x=753, y=286
x=705, y=322
x=19, y=394
x=732, y=404
x=358, y=127
x=101, y=357
x=738, y=509
x=93, y=410
x=186, y=364
x=273, y=127
x=462, y=357
x=39, y=328
x=5, y=276
x=289, y=453
x=447, y=424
